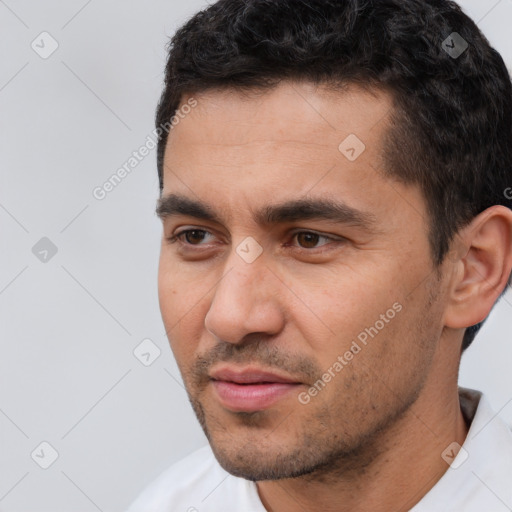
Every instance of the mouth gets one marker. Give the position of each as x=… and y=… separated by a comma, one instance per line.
x=250, y=389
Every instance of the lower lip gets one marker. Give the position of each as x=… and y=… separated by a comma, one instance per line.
x=251, y=397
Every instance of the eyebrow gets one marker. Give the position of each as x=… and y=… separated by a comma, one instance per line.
x=173, y=205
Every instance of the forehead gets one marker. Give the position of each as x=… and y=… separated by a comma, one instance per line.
x=240, y=151
x=290, y=109
x=293, y=123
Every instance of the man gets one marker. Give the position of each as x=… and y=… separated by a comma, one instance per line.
x=336, y=224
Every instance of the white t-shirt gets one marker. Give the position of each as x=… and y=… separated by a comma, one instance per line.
x=478, y=480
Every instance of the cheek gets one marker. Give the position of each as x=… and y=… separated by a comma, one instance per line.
x=183, y=305
x=342, y=306
x=168, y=295
x=178, y=290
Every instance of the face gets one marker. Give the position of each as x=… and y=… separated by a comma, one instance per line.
x=295, y=281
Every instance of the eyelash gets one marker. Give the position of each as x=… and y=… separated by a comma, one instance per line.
x=178, y=237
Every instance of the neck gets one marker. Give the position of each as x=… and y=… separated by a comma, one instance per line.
x=407, y=466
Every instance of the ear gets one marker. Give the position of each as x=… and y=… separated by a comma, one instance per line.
x=481, y=264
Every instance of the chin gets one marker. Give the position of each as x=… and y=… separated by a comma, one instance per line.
x=256, y=467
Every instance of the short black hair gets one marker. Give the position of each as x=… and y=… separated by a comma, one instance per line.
x=451, y=125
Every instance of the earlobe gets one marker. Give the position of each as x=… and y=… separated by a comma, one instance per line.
x=482, y=267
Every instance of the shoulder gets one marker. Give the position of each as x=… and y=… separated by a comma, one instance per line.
x=197, y=483
x=480, y=476
x=186, y=477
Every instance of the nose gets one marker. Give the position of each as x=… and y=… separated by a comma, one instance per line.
x=245, y=301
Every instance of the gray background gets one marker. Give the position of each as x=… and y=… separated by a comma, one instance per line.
x=69, y=324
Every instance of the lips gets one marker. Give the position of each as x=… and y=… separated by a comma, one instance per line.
x=250, y=389
x=249, y=376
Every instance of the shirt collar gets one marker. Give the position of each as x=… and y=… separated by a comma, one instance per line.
x=480, y=474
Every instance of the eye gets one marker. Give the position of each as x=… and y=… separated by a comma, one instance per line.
x=310, y=239
x=306, y=239
x=190, y=236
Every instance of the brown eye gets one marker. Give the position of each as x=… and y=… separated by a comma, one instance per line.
x=193, y=236
x=307, y=240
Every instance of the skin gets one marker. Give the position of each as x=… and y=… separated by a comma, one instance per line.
x=372, y=438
